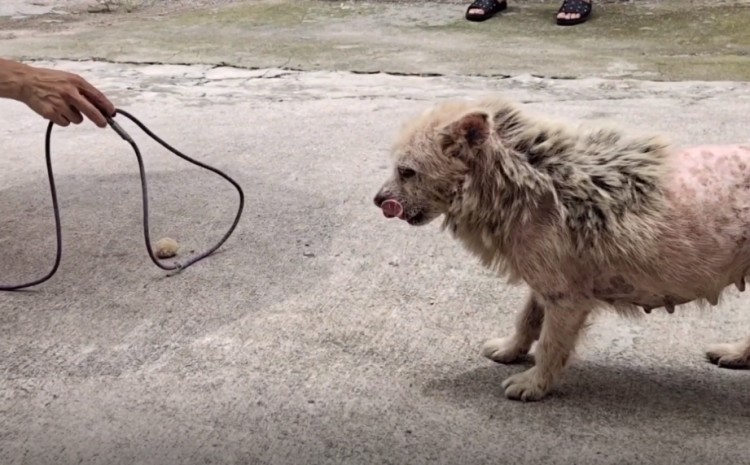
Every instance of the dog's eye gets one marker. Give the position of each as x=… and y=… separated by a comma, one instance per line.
x=406, y=173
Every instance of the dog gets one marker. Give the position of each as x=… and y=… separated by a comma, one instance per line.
x=588, y=216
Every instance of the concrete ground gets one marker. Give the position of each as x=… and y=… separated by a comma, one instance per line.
x=322, y=333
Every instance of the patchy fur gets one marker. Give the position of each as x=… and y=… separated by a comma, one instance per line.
x=589, y=217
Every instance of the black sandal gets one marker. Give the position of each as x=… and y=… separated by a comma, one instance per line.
x=575, y=6
x=490, y=8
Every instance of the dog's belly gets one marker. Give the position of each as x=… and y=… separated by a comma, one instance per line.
x=649, y=297
x=704, y=246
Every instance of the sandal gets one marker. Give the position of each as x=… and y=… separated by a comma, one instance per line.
x=490, y=8
x=574, y=6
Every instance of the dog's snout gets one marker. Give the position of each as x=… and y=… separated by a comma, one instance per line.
x=379, y=199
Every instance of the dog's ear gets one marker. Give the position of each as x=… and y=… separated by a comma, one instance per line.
x=471, y=130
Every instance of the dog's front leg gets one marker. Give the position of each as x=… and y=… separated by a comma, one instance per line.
x=563, y=321
x=512, y=348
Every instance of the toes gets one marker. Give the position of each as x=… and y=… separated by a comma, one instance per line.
x=476, y=11
x=729, y=356
x=730, y=361
x=715, y=352
x=503, y=350
x=525, y=386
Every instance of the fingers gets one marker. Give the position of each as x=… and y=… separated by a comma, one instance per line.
x=71, y=114
x=66, y=98
x=64, y=113
x=61, y=121
x=52, y=113
x=88, y=100
x=91, y=111
x=57, y=118
x=98, y=99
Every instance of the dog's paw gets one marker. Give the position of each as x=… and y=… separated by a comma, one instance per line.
x=503, y=350
x=526, y=386
x=735, y=355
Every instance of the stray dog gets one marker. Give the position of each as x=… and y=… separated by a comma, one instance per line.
x=588, y=217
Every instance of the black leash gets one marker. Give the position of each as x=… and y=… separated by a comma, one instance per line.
x=144, y=189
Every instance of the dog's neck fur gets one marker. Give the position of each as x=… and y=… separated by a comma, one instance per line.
x=514, y=195
x=600, y=185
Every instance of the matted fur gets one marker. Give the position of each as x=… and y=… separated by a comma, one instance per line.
x=587, y=215
x=605, y=185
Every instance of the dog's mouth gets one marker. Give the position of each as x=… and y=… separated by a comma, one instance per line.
x=392, y=208
x=417, y=219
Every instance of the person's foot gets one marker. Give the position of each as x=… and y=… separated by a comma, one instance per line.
x=573, y=12
x=481, y=10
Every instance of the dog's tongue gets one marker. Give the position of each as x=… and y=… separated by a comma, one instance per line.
x=392, y=209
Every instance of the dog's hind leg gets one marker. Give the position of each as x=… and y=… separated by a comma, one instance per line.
x=528, y=327
x=560, y=329
x=733, y=355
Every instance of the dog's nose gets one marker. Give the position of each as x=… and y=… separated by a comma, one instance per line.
x=379, y=199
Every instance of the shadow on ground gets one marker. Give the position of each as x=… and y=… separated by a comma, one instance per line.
x=104, y=281
x=624, y=392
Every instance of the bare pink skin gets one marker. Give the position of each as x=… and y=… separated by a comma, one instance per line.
x=704, y=246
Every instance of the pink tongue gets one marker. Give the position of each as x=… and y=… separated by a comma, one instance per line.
x=392, y=209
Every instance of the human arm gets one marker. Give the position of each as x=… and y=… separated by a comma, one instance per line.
x=58, y=96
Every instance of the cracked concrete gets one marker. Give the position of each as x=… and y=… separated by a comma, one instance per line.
x=322, y=333
x=651, y=40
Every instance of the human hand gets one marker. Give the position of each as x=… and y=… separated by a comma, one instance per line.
x=63, y=97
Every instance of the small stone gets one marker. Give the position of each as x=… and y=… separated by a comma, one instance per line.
x=166, y=247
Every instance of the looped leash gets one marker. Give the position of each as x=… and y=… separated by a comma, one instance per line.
x=144, y=189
